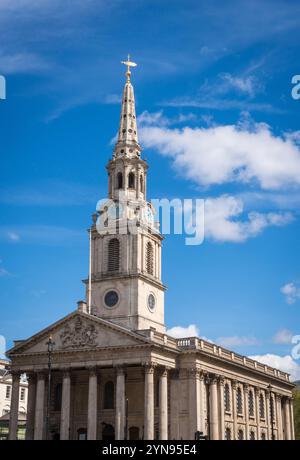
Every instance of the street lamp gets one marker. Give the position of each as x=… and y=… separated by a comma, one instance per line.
x=271, y=411
x=50, y=345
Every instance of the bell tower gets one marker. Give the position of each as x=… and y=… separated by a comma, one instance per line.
x=125, y=282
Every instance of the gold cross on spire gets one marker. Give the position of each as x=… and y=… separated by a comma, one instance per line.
x=129, y=64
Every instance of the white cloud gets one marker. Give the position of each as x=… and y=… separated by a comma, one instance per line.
x=291, y=292
x=283, y=336
x=243, y=153
x=224, y=221
x=283, y=363
x=237, y=341
x=180, y=332
x=248, y=85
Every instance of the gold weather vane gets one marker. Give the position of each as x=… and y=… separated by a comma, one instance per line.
x=129, y=64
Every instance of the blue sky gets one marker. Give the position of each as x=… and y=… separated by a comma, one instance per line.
x=217, y=121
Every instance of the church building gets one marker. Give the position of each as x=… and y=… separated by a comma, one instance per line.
x=115, y=372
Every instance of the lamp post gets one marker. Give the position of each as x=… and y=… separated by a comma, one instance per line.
x=271, y=411
x=50, y=345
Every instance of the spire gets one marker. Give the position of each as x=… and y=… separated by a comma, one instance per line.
x=127, y=144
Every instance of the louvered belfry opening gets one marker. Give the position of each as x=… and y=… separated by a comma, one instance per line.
x=113, y=255
x=149, y=258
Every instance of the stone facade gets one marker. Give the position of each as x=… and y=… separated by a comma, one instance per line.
x=115, y=372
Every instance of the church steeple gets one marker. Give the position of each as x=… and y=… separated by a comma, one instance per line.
x=127, y=144
x=126, y=286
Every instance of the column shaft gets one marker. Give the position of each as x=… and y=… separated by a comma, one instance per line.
x=292, y=420
x=65, y=407
x=39, y=408
x=149, y=403
x=221, y=409
x=279, y=418
x=257, y=412
x=92, y=406
x=30, y=406
x=234, y=410
x=214, y=425
x=194, y=402
x=14, y=406
x=163, y=405
x=120, y=405
x=287, y=424
x=246, y=410
x=202, y=404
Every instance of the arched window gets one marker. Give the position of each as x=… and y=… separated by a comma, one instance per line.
x=109, y=395
x=131, y=180
x=261, y=406
x=239, y=401
x=113, y=255
x=263, y=436
x=57, y=397
x=228, y=434
x=252, y=435
x=119, y=180
x=149, y=258
x=251, y=404
x=240, y=435
x=227, y=397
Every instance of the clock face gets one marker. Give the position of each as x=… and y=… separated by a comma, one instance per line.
x=151, y=302
x=111, y=299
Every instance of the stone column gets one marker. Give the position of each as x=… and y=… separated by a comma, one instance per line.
x=246, y=409
x=149, y=402
x=279, y=418
x=194, y=402
x=39, y=407
x=234, y=409
x=202, y=405
x=221, y=409
x=257, y=393
x=214, y=425
x=92, y=405
x=120, y=404
x=292, y=419
x=163, y=405
x=268, y=416
x=287, y=419
x=65, y=407
x=174, y=405
x=14, y=406
x=31, y=378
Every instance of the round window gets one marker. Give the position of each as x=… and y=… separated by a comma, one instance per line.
x=111, y=299
x=151, y=302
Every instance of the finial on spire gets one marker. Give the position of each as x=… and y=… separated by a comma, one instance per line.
x=129, y=64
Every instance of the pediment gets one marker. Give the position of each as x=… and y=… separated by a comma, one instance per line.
x=79, y=331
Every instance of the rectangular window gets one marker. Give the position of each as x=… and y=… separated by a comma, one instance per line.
x=22, y=394
x=8, y=392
